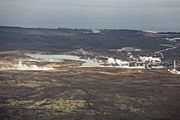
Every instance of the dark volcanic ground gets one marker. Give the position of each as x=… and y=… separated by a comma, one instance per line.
x=62, y=40
x=90, y=94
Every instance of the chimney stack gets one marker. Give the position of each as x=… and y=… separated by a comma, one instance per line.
x=174, y=64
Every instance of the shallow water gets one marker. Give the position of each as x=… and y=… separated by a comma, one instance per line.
x=87, y=62
x=62, y=57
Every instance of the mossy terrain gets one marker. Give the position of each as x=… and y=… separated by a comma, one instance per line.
x=90, y=93
x=48, y=104
x=75, y=93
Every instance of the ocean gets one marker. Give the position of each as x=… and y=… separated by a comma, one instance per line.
x=153, y=15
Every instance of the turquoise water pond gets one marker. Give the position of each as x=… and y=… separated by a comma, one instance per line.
x=87, y=62
x=62, y=57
